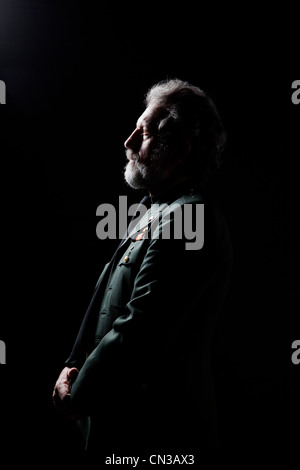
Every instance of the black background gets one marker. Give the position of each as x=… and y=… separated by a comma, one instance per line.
x=76, y=75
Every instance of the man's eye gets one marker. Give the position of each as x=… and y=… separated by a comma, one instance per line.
x=145, y=135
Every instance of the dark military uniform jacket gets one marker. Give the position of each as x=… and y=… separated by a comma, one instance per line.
x=147, y=381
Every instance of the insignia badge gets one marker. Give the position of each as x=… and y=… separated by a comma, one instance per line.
x=140, y=236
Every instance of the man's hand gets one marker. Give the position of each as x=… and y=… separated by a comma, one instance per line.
x=62, y=394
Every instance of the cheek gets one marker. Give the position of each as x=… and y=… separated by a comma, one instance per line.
x=145, y=151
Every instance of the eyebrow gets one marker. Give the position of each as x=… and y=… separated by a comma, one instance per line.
x=148, y=126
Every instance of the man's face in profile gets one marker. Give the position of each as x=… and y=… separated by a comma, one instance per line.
x=148, y=157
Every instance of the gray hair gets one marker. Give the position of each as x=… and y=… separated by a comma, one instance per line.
x=188, y=112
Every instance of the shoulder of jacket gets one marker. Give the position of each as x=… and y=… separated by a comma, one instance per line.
x=189, y=198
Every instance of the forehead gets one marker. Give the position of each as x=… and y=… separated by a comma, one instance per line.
x=150, y=117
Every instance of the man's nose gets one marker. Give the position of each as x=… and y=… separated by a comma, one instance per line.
x=134, y=140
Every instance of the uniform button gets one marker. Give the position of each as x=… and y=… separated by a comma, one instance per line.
x=145, y=229
x=126, y=259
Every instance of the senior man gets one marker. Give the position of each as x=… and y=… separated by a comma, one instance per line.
x=139, y=375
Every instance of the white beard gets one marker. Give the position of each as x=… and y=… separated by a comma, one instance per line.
x=136, y=174
x=140, y=175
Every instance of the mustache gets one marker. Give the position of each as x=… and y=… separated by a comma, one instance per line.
x=130, y=155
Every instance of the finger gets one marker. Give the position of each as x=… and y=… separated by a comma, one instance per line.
x=72, y=373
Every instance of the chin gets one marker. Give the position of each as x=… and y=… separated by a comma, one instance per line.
x=133, y=177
